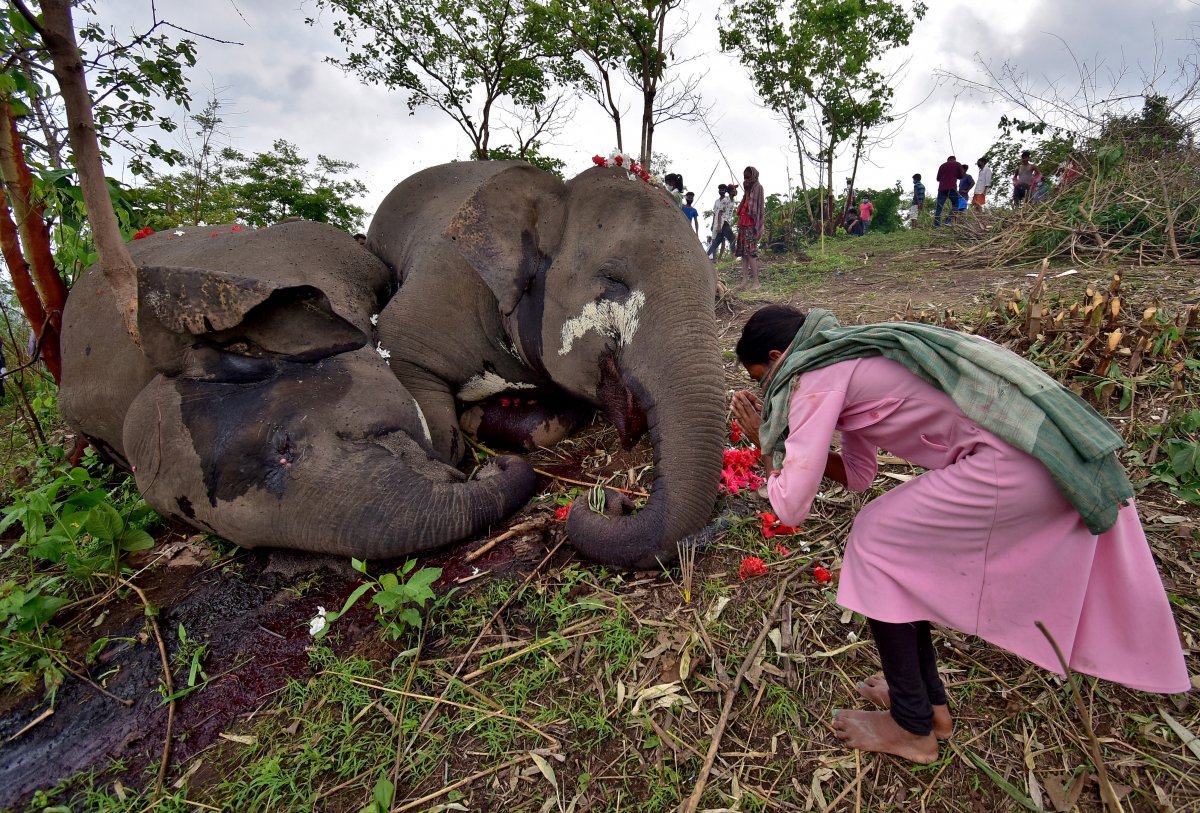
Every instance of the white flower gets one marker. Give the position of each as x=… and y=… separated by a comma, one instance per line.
x=201, y=223
x=178, y=232
x=852, y=637
x=374, y=318
x=383, y=354
x=317, y=624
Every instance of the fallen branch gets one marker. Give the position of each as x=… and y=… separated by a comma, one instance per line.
x=1111, y=802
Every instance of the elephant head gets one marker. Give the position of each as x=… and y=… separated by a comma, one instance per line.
x=259, y=410
x=596, y=288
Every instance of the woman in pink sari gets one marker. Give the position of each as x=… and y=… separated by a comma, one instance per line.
x=750, y=225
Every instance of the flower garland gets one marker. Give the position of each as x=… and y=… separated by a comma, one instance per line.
x=633, y=169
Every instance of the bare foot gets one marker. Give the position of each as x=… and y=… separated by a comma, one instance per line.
x=875, y=689
x=877, y=731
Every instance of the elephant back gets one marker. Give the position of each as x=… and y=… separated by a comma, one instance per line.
x=420, y=208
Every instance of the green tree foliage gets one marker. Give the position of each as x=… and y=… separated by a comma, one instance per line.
x=463, y=57
x=131, y=73
x=279, y=184
x=532, y=154
x=814, y=62
x=630, y=40
x=259, y=189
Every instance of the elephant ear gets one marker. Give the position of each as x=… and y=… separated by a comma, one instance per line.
x=180, y=308
x=509, y=229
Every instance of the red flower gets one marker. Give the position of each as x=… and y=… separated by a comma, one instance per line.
x=735, y=432
x=143, y=233
x=214, y=234
x=561, y=513
x=235, y=228
x=736, y=473
x=752, y=566
x=772, y=527
x=822, y=575
x=781, y=550
x=620, y=159
x=599, y=161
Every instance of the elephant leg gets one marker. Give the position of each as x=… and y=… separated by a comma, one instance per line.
x=436, y=403
x=524, y=422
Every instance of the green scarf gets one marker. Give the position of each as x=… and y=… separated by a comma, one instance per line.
x=1002, y=392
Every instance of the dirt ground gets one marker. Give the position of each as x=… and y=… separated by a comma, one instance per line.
x=542, y=683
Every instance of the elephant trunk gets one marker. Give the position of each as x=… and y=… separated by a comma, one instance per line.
x=683, y=397
x=404, y=512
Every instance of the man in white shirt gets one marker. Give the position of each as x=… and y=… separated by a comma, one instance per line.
x=722, y=228
x=983, y=182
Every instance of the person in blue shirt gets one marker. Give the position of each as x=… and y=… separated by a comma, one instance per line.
x=690, y=212
x=965, y=184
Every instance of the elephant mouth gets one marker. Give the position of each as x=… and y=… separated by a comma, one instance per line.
x=620, y=403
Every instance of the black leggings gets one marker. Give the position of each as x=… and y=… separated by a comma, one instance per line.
x=910, y=667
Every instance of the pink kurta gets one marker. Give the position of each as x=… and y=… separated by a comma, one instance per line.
x=983, y=542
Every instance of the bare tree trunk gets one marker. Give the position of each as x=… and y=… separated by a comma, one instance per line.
x=791, y=116
x=858, y=145
x=614, y=112
x=37, y=257
x=27, y=296
x=58, y=34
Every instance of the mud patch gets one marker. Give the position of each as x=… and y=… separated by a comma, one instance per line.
x=257, y=637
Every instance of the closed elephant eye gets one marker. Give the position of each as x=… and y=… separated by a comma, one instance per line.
x=614, y=287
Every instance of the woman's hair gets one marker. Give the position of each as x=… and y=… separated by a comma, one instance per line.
x=770, y=328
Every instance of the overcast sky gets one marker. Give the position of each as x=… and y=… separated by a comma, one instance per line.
x=278, y=85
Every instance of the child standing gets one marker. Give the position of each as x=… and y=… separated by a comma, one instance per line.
x=1023, y=515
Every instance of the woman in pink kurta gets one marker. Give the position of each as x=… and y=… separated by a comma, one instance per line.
x=983, y=542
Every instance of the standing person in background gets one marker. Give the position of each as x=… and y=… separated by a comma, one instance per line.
x=964, y=188
x=722, y=228
x=918, y=201
x=689, y=211
x=674, y=182
x=865, y=210
x=982, y=184
x=948, y=176
x=750, y=216
x=1023, y=179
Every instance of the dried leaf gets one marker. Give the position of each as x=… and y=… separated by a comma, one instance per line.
x=239, y=738
x=1187, y=737
x=545, y=767
x=714, y=612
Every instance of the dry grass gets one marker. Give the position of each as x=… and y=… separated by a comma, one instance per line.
x=573, y=689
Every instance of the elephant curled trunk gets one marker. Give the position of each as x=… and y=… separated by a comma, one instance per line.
x=685, y=414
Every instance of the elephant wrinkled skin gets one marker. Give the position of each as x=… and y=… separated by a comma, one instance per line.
x=265, y=404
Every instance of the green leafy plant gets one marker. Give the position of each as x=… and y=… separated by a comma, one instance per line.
x=30, y=650
x=1179, y=470
x=71, y=517
x=400, y=597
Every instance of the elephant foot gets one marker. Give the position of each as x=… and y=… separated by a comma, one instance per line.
x=522, y=423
